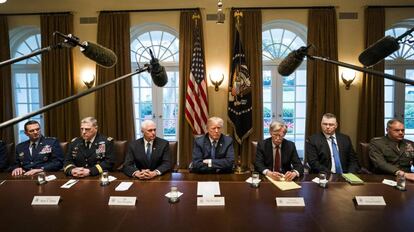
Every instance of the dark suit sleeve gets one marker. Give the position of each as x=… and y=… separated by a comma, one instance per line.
x=108, y=162
x=197, y=162
x=3, y=156
x=312, y=157
x=295, y=160
x=165, y=164
x=56, y=158
x=68, y=163
x=259, y=163
x=353, y=165
x=227, y=162
x=129, y=163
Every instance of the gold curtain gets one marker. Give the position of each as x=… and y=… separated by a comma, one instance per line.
x=371, y=101
x=322, y=78
x=114, y=104
x=6, y=113
x=58, y=80
x=251, y=37
x=186, y=138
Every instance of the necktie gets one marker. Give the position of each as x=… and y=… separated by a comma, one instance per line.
x=213, y=149
x=32, y=146
x=335, y=152
x=276, y=165
x=88, y=144
x=148, y=151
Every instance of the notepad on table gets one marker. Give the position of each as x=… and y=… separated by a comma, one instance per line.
x=352, y=178
x=284, y=185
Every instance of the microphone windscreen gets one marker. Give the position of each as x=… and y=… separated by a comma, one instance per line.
x=158, y=74
x=101, y=55
x=378, y=51
x=291, y=62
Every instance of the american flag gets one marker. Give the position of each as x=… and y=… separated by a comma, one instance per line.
x=196, y=102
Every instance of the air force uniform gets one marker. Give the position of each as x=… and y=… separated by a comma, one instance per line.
x=45, y=153
x=97, y=158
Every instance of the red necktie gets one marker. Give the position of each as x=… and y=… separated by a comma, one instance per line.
x=277, y=160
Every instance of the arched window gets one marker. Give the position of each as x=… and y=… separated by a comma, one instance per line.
x=150, y=101
x=284, y=98
x=26, y=75
x=398, y=97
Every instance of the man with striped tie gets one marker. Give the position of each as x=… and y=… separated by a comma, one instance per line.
x=330, y=151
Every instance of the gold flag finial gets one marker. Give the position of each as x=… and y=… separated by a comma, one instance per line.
x=196, y=17
x=237, y=15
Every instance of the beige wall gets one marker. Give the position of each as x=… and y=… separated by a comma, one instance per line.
x=350, y=36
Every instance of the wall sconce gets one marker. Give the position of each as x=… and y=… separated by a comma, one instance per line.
x=348, y=76
x=216, y=83
x=220, y=13
x=88, y=80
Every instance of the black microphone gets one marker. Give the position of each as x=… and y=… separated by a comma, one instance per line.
x=101, y=55
x=381, y=49
x=158, y=73
x=292, y=61
x=378, y=51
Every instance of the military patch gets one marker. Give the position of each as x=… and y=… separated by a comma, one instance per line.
x=46, y=149
x=101, y=149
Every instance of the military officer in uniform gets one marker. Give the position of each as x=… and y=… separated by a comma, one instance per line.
x=392, y=154
x=37, y=154
x=91, y=154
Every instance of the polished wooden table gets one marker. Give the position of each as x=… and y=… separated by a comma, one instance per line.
x=84, y=207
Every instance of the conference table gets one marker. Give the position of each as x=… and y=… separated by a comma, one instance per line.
x=84, y=206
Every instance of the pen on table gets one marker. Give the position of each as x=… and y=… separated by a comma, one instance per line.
x=2, y=182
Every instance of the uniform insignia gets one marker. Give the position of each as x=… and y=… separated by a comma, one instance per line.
x=46, y=149
x=110, y=139
x=45, y=158
x=101, y=149
x=21, y=156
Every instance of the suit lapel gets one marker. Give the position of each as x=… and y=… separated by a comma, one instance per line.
x=207, y=145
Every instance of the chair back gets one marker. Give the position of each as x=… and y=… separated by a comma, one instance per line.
x=64, y=146
x=363, y=157
x=120, y=148
x=11, y=156
x=173, y=149
x=253, y=148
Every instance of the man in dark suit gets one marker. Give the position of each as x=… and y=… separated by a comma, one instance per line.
x=330, y=151
x=91, y=154
x=392, y=154
x=3, y=156
x=37, y=154
x=213, y=152
x=277, y=157
x=148, y=156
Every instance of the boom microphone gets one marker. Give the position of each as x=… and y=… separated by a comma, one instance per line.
x=292, y=61
x=101, y=55
x=381, y=49
x=158, y=73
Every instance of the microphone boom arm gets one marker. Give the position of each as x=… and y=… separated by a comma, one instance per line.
x=35, y=53
x=364, y=70
x=71, y=98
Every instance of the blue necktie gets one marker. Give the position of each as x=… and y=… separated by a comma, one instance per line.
x=148, y=151
x=213, y=149
x=335, y=152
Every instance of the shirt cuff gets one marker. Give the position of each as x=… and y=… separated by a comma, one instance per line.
x=210, y=163
x=265, y=171
x=158, y=172
x=297, y=173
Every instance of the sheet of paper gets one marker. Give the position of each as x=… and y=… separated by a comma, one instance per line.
x=69, y=184
x=208, y=188
x=123, y=186
x=250, y=180
x=50, y=178
x=111, y=178
x=284, y=185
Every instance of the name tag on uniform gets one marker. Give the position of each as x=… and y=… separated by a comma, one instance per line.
x=45, y=200
x=290, y=201
x=210, y=201
x=122, y=201
x=370, y=200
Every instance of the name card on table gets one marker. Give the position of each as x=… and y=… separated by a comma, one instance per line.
x=122, y=201
x=290, y=201
x=45, y=200
x=370, y=200
x=210, y=201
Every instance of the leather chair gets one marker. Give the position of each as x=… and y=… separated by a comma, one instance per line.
x=252, y=156
x=11, y=156
x=173, y=150
x=64, y=146
x=120, y=148
x=364, y=160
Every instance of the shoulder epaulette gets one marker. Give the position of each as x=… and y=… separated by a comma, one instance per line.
x=74, y=139
x=109, y=138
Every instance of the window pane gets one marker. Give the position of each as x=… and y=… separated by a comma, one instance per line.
x=389, y=110
x=300, y=93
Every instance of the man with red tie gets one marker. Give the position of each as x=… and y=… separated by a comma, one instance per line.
x=37, y=154
x=277, y=157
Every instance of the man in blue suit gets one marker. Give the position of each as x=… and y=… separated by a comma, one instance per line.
x=37, y=154
x=277, y=157
x=213, y=152
x=148, y=156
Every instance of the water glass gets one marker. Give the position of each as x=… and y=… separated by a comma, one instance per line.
x=255, y=180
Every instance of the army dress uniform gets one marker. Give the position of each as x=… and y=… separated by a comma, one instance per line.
x=98, y=158
x=46, y=154
x=389, y=156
